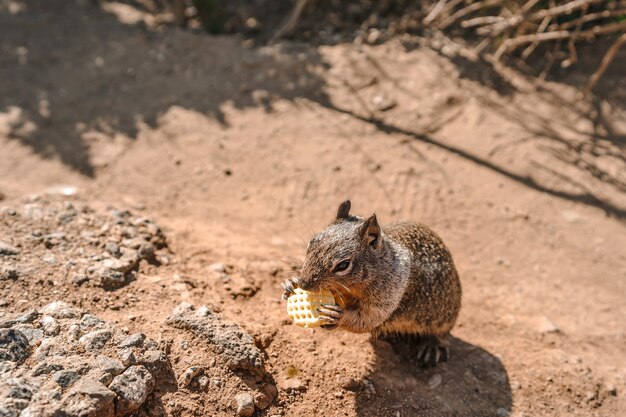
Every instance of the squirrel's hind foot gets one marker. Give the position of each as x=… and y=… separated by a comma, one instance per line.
x=431, y=350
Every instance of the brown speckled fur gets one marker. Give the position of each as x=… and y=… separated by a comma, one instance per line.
x=432, y=301
x=402, y=278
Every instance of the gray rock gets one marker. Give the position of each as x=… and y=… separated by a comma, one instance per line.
x=96, y=339
x=50, y=326
x=113, y=248
x=265, y=396
x=13, y=346
x=61, y=310
x=20, y=389
x=110, y=279
x=127, y=357
x=32, y=334
x=73, y=333
x=54, y=239
x=115, y=273
x=203, y=382
x=8, y=272
x=150, y=344
x=65, y=378
x=5, y=411
x=28, y=317
x=45, y=368
x=110, y=365
x=226, y=338
x=157, y=363
x=132, y=388
x=50, y=259
x=106, y=378
x=348, y=383
x=6, y=323
x=89, y=398
x=244, y=403
x=435, y=381
x=80, y=279
x=132, y=340
x=293, y=384
x=124, y=264
x=146, y=251
x=37, y=410
x=89, y=321
x=188, y=376
x=7, y=249
x=16, y=403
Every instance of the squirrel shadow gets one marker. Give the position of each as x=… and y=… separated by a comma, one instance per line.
x=472, y=383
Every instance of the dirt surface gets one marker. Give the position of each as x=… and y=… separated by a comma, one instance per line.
x=238, y=155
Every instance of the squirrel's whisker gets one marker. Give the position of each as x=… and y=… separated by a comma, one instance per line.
x=347, y=289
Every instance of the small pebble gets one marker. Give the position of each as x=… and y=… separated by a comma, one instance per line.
x=435, y=381
x=188, y=376
x=244, y=404
x=127, y=357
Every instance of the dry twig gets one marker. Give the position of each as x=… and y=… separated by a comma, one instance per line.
x=292, y=21
x=606, y=61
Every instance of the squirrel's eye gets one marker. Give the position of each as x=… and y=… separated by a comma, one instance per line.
x=342, y=266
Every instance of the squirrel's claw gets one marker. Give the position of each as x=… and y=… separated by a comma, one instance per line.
x=330, y=310
x=330, y=323
x=330, y=314
x=289, y=286
x=431, y=351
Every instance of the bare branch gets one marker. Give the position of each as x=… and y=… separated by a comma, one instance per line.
x=467, y=10
x=290, y=24
x=606, y=61
x=567, y=8
x=434, y=12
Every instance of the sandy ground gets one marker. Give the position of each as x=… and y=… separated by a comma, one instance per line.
x=242, y=154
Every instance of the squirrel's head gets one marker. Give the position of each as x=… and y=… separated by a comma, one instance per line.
x=343, y=254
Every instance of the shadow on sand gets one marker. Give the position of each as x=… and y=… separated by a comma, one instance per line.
x=472, y=383
x=72, y=74
x=68, y=69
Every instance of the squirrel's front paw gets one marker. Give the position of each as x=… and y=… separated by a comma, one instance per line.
x=330, y=314
x=289, y=286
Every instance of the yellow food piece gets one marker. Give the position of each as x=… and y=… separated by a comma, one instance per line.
x=302, y=306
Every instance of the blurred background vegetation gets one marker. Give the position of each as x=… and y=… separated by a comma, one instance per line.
x=537, y=37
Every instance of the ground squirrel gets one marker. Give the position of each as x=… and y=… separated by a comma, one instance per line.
x=398, y=280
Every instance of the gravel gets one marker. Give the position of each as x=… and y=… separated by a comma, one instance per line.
x=63, y=361
x=97, y=248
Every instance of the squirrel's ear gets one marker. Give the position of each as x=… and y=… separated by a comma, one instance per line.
x=372, y=232
x=344, y=210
